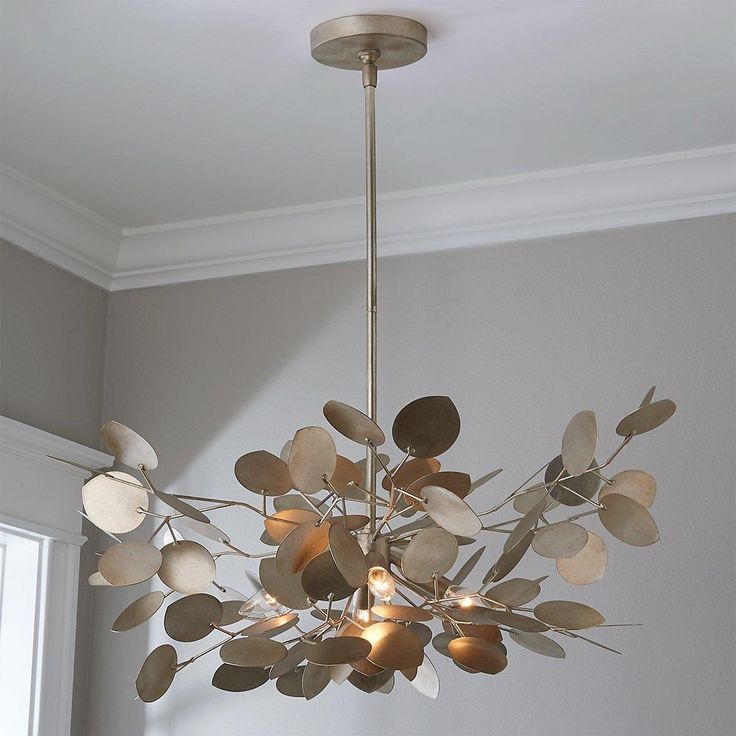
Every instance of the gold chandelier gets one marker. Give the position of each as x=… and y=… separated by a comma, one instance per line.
x=351, y=596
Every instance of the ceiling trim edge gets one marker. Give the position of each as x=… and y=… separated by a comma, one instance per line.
x=614, y=194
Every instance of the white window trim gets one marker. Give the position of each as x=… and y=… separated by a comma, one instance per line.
x=23, y=459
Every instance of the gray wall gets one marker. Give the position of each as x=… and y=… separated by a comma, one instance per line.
x=53, y=328
x=521, y=336
x=52, y=347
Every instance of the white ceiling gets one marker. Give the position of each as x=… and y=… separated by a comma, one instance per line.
x=162, y=111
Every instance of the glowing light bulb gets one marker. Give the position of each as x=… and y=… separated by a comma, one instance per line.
x=363, y=615
x=381, y=583
x=462, y=596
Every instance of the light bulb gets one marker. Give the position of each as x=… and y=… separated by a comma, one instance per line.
x=461, y=596
x=363, y=614
x=381, y=583
x=259, y=605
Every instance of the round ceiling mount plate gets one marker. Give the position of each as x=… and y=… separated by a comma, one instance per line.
x=339, y=42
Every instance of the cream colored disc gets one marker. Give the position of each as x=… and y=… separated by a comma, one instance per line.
x=348, y=556
x=187, y=567
x=139, y=611
x=129, y=563
x=314, y=680
x=646, y=418
x=294, y=657
x=339, y=650
x=450, y=512
x=128, y=446
x=636, y=484
x=514, y=592
x=588, y=565
x=113, y=507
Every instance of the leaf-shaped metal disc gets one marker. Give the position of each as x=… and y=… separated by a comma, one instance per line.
x=579, y=442
x=340, y=650
x=477, y=654
x=402, y=613
x=457, y=483
x=646, y=418
x=273, y=626
x=187, y=567
x=181, y=506
x=321, y=578
x=538, y=643
x=524, y=525
x=139, y=611
x=509, y=560
x=353, y=424
x=560, y=541
x=410, y=471
x=516, y=621
x=588, y=565
x=193, y=617
x=129, y=563
x=344, y=478
x=426, y=680
x=370, y=683
x=450, y=512
x=514, y=592
x=568, y=615
x=210, y=531
x=585, y=485
x=300, y=546
x=156, y=674
x=393, y=646
x=294, y=657
x=113, y=507
x=128, y=446
x=252, y=652
x=314, y=680
x=262, y=472
x=635, y=484
x=648, y=396
x=427, y=427
x=432, y=551
x=290, y=684
x=311, y=457
x=526, y=501
x=626, y=519
x=286, y=589
x=238, y=679
x=282, y=523
x=348, y=556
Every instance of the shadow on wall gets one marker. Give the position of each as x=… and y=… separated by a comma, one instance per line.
x=184, y=362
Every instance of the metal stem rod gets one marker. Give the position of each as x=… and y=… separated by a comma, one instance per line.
x=370, y=80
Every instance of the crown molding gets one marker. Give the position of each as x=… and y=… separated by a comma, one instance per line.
x=57, y=229
x=602, y=196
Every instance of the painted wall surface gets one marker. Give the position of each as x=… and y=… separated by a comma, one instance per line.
x=52, y=347
x=53, y=329
x=521, y=337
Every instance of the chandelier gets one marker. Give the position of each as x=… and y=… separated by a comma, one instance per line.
x=361, y=556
